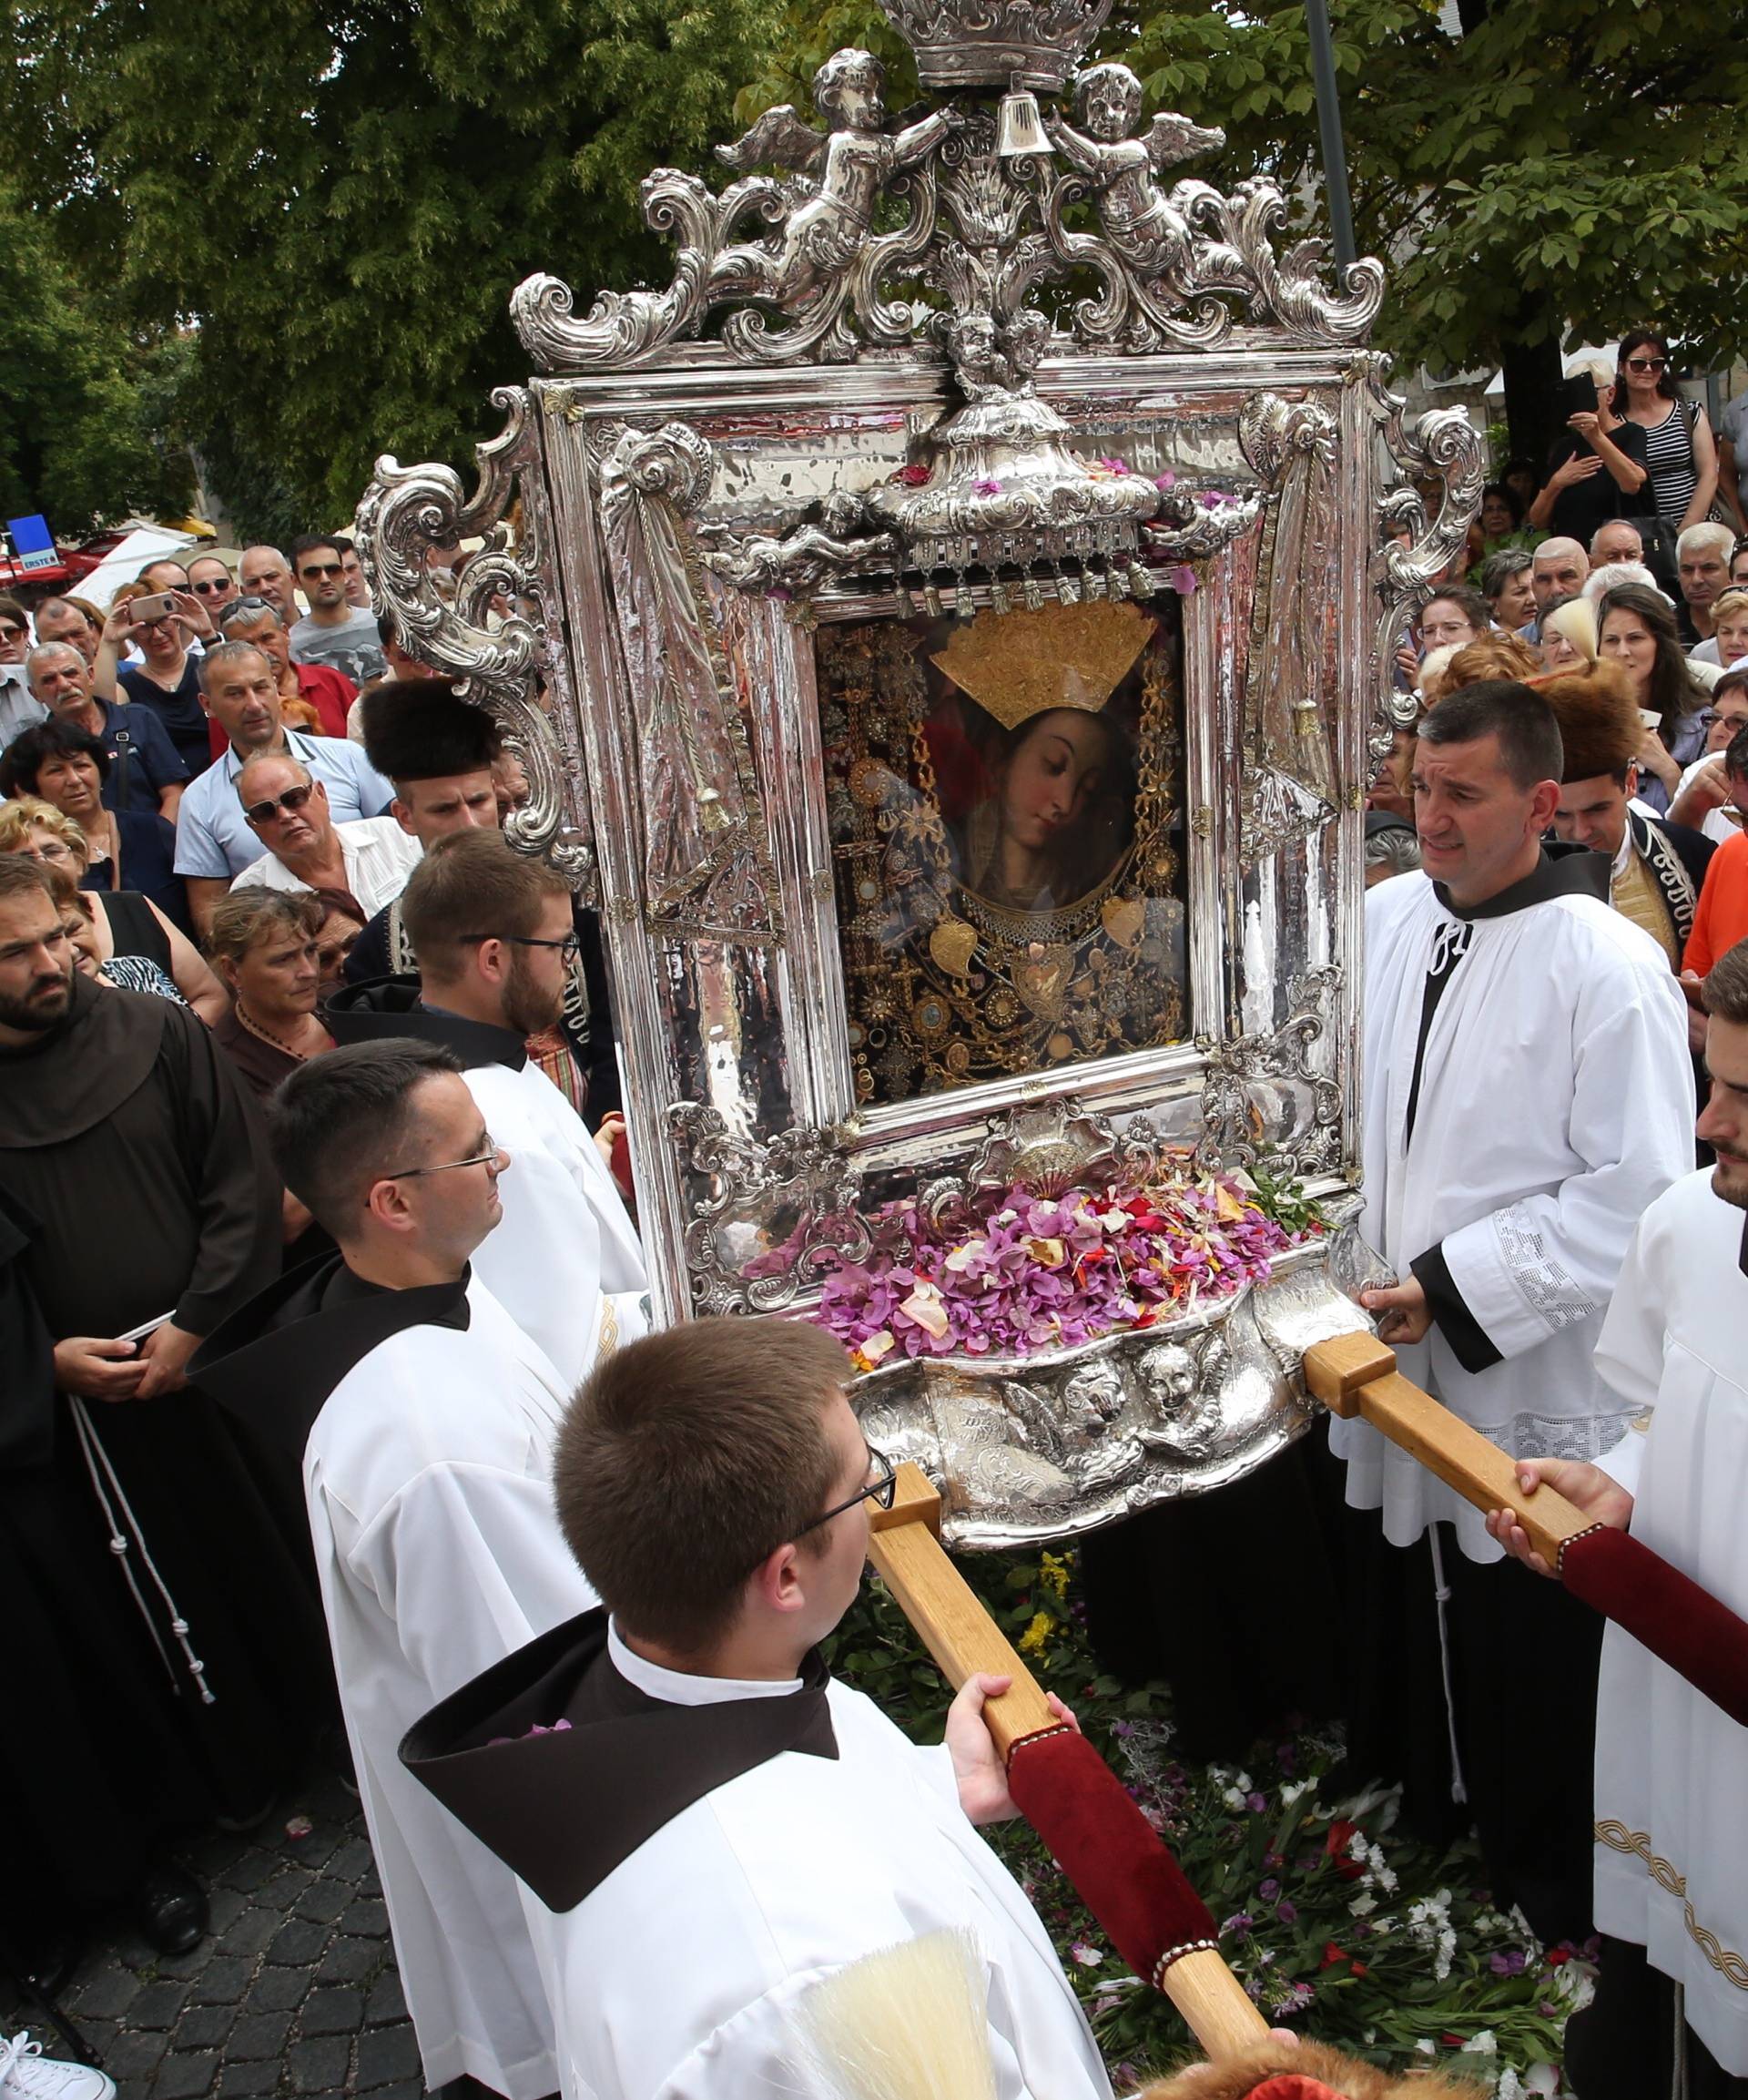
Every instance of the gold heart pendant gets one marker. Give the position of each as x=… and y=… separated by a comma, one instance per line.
x=953, y=943
x=1125, y=919
x=1040, y=983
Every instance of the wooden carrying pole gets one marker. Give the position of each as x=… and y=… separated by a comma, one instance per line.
x=1356, y=1374
x=906, y=1549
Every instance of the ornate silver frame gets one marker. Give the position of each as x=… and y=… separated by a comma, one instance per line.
x=692, y=511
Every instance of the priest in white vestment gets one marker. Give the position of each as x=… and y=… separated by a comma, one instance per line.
x=709, y=1822
x=425, y=1419
x=493, y=929
x=1671, y=1769
x=1527, y=1084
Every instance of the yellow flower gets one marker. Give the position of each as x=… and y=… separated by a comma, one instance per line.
x=1053, y=1573
x=1036, y=1638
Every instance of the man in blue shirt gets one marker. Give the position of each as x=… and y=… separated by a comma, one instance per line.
x=240, y=691
x=145, y=770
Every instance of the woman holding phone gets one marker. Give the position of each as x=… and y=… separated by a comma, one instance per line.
x=159, y=624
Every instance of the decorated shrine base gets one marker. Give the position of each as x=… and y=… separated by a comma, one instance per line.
x=1339, y=1927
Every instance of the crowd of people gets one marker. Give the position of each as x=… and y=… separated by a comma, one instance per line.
x=319, y=1285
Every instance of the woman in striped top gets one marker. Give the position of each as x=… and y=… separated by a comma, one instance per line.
x=1680, y=449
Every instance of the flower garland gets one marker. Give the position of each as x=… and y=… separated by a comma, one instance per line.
x=1009, y=1273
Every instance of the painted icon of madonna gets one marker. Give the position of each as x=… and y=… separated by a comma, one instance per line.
x=1005, y=808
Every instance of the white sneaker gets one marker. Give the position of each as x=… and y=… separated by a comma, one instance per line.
x=26, y=2074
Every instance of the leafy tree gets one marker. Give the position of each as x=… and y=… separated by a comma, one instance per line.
x=341, y=200
x=77, y=414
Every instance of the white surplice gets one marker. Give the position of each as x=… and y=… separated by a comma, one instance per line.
x=427, y=1476
x=677, y=1977
x=563, y=1261
x=1556, y=1103
x=1672, y=1769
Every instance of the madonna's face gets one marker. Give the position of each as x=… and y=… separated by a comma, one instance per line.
x=1055, y=772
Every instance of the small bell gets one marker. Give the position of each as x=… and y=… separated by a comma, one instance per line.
x=1020, y=129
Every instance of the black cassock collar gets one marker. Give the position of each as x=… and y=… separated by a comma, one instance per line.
x=565, y=1806
x=1565, y=870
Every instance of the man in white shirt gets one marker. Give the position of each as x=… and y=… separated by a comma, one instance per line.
x=1527, y=1093
x=424, y=1420
x=493, y=932
x=214, y=843
x=287, y=809
x=1672, y=1769
x=709, y=1823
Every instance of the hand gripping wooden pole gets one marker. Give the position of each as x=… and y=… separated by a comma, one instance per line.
x=1664, y=1610
x=1097, y=1835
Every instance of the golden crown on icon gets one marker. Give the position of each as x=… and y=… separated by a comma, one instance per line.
x=1023, y=663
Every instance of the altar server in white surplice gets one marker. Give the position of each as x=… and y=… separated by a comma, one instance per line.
x=493, y=932
x=425, y=1419
x=1528, y=1084
x=1671, y=1769
x=711, y=1821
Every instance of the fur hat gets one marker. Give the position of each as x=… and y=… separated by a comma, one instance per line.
x=1598, y=724
x=416, y=729
x=1306, y=2071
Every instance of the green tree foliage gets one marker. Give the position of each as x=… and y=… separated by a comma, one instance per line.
x=341, y=199
x=78, y=405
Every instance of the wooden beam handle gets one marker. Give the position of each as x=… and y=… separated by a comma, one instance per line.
x=1356, y=1374
x=1214, y=2005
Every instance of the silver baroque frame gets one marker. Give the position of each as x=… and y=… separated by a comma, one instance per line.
x=913, y=405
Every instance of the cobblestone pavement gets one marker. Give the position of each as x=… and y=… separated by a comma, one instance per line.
x=293, y=1991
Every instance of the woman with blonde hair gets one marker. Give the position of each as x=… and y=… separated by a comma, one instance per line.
x=123, y=923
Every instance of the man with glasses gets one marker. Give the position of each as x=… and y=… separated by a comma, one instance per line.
x=492, y=928
x=424, y=1421
x=368, y=859
x=214, y=842
x=210, y=581
x=722, y=1822
x=333, y=632
x=324, y=693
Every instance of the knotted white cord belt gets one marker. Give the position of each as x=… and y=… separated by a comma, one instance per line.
x=96, y=1463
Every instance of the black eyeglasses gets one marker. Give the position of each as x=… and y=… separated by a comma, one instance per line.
x=321, y=569
x=489, y=1157
x=881, y=1491
x=207, y=589
x=292, y=799
x=1646, y=363
x=569, y=947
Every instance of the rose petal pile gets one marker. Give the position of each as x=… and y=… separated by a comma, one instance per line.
x=1010, y=1273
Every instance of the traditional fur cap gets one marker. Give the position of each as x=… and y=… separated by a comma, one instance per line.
x=1598, y=724
x=416, y=729
x=1279, y=2071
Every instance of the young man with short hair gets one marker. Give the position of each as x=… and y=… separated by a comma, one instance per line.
x=424, y=1421
x=709, y=1821
x=333, y=631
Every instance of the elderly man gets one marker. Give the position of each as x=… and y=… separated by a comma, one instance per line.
x=286, y=807
x=1527, y=1093
x=325, y=693
x=1617, y=539
x=1702, y=563
x=74, y=620
x=264, y=573
x=1557, y=570
x=213, y=842
x=333, y=632
x=145, y=770
x=210, y=581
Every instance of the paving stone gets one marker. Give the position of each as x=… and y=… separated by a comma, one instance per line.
x=386, y=2054
x=350, y=1961
x=324, y=1901
x=204, y=2026
x=157, y=2005
x=368, y=1917
x=279, y=1990
x=104, y=1995
x=249, y=1933
x=351, y=1860
x=284, y=1889
x=298, y=1943
x=259, y=2034
x=250, y=1872
x=183, y=1967
x=224, y=1907
x=249, y=2081
x=320, y=2066
x=336, y=2009
x=132, y=2061
x=386, y=2003
x=186, y=2077
x=223, y=1982
x=403, y=2089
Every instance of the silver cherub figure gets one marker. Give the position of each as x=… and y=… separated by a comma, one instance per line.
x=853, y=160
x=1138, y=219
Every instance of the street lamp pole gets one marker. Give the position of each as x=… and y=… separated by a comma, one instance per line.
x=1334, y=153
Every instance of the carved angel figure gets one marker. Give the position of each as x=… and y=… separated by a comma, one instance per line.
x=1138, y=219
x=810, y=555
x=841, y=172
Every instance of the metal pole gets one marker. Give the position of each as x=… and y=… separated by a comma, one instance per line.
x=1335, y=154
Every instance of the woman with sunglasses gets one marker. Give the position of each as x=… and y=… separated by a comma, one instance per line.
x=165, y=680
x=1681, y=452
x=126, y=849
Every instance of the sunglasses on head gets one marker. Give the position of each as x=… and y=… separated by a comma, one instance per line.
x=243, y=609
x=292, y=799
